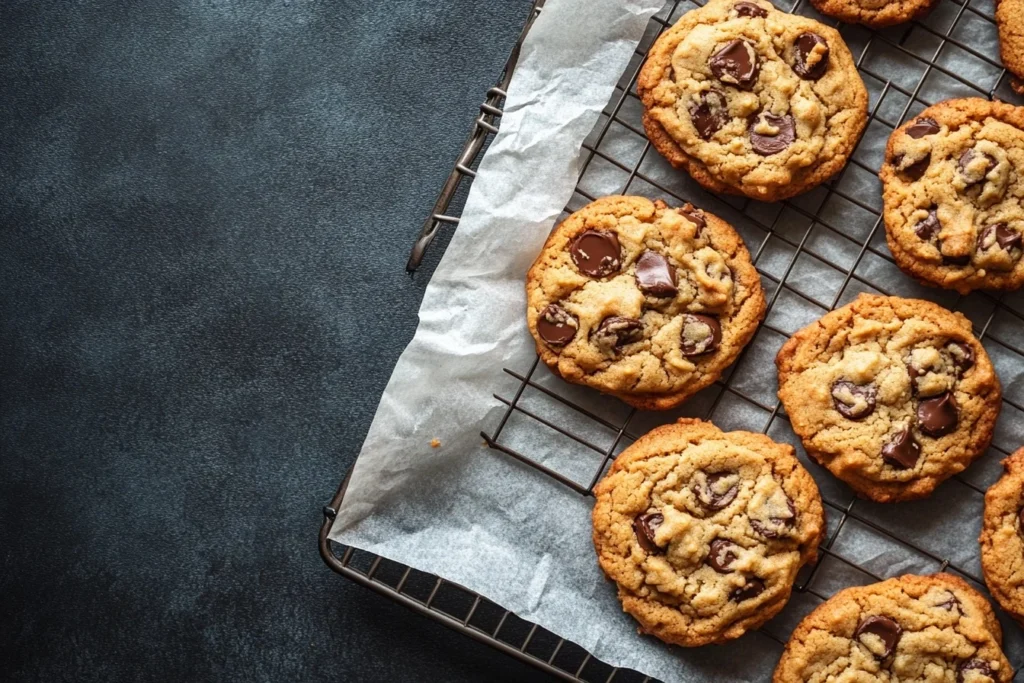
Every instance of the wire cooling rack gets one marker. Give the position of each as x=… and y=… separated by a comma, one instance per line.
x=814, y=252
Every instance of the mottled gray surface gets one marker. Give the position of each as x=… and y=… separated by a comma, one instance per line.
x=205, y=209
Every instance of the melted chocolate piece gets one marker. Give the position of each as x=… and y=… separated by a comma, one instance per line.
x=736, y=64
x=903, y=451
x=701, y=334
x=616, y=330
x=923, y=127
x=644, y=527
x=973, y=177
x=916, y=170
x=749, y=9
x=722, y=555
x=938, y=416
x=709, y=495
x=962, y=355
x=556, y=325
x=655, y=275
x=752, y=589
x=929, y=228
x=710, y=113
x=951, y=603
x=885, y=628
x=853, y=402
x=956, y=260
x=775, y=526
x=596, y=253
x=979, y=666
x=999, y=234
x=767, y=145
x=695, y=216
x=803, y=47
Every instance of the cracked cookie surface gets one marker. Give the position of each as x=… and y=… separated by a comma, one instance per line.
x=1010, y=19
x=892, y=395
x=953, y=182
x=874, y=13
x=1002, y=537
x=903, y=630
x=643, y=301
x=703, y=531
x=751, y=100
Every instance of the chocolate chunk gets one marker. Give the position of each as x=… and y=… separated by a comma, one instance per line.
x=972, y=172
x=852, y=401
x=722, y=555
x=811, y=61
x=923, y=127
x=736, y=64
x=749, y=9
x=887, y=630
x=914, y=171
x=616, y=330
x=951, y=603
x=938, y=416
x=556, y=325
x=767, y=145
x=695, y=216
x=644, y=527
x=711, y=494
x=980, y=668
x=710, y=113
x=752, y=589
x=962, y=355
x=596, y=253
x=956, y=260
x=655, y=275
x=928, y=229
x=776, y=525
x=999, y=234
x=903, y=451
x=701, y=334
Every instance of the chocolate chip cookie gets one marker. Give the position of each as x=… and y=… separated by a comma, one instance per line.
x=954, y=195
x=911, y=628
x=1002, y=546
x=1010, y=18
x=892, y=395
x=874, y=13
x=751, y=100
x=704, y=531
x=643, y=301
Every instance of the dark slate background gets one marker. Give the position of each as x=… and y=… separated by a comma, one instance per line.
x=205, y=210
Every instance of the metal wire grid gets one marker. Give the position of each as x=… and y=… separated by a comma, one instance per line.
x=552, y=405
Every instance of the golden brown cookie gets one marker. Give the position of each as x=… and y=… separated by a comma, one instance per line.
x=1002, y=547
x=874, y=13
x=910, y=628
x=953, y=182
x=1010, y=18
x=642, y=301
x=892, y=395
x=751, y=100
x=703, y=531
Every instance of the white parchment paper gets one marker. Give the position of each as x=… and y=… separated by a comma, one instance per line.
x=477, y=517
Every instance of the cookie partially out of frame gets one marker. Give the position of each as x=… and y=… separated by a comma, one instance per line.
x=643, y=301
x=751, y=100
x=874, y=13
x=953, y=182
x=892, y=395
x=703, y=531
x=1002, y=537
x=1010, y=19
x=911, y=628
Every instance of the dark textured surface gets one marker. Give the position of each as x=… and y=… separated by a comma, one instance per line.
x=205, y=209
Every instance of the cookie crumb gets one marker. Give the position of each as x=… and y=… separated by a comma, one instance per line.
x=435, y=443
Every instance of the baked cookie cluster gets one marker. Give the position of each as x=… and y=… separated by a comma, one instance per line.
x=892, y=395
x=911, y=628
x=703, y=532
x=643, y=301
x=751, y=100
x=954, y=195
